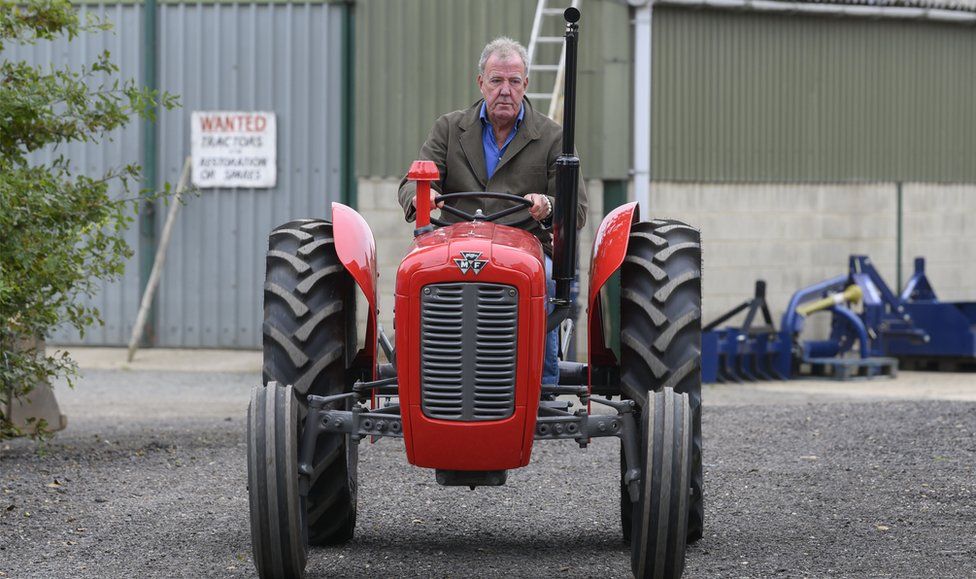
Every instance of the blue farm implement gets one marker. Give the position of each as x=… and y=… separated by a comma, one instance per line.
x=872, y=330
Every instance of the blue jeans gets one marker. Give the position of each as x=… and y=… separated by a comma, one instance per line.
x=550, y=368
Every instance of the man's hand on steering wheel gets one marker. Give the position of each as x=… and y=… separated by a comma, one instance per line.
x=541, y=206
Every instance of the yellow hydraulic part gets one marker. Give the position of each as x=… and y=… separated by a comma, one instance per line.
x=852, y=294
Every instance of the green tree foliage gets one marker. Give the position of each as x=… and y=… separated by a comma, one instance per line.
x=61, y=233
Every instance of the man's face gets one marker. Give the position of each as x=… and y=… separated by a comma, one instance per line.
x=503, y=85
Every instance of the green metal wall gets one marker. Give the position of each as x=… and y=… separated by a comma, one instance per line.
x=417, y=59
x=753, y=97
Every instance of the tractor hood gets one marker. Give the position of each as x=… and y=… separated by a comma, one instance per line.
x=475, y=247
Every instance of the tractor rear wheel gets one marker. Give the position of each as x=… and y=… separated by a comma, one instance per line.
x=660, y=330
x=309, y=341
x=278, y=531
x=660, y=517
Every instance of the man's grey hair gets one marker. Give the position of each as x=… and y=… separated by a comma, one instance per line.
x=504, y=47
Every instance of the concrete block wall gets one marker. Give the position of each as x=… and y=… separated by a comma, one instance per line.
x=788, y=235
x=940, y=224
x=793, y=235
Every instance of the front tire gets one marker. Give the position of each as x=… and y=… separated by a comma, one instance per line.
x=278, y=530
x=309, y=338
x=660, y=516
x=660, y=323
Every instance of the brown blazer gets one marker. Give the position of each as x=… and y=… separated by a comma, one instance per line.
x=528, y=166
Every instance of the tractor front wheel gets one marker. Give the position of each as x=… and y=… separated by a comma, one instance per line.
x=278, y=530
x=660, y=514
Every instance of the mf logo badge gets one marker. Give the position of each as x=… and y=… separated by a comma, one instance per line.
x=469, y=262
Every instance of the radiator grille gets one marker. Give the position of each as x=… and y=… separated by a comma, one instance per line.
x=468, y=351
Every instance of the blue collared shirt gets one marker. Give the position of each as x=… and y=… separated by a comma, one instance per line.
x=493, y=155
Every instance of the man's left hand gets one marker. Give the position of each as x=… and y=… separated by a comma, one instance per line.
x=541, y=206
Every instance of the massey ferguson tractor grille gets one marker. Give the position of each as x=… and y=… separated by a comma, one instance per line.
x=468, y=350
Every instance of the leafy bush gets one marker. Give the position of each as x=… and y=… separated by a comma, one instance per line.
x=61, y=233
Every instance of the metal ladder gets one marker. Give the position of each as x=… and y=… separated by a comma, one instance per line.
x=555, y=96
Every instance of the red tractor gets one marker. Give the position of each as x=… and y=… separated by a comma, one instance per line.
x=471, y=320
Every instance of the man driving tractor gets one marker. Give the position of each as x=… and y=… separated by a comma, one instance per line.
x=500, y=143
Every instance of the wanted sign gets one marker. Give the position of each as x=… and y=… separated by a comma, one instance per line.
x=233, y=149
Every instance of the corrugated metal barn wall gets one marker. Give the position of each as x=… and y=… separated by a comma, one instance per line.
x=284, y=58
x=118, y=302
x=418, y=59
x=756, y=97
x=281, y=57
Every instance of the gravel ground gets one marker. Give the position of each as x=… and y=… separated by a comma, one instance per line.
x=797, y=484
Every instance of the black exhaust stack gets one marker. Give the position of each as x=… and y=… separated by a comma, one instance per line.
x=564, y=242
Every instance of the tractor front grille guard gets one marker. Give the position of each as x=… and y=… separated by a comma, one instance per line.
x=468, y=351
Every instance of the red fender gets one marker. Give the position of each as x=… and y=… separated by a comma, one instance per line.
x=609, y=251
x=357, y=252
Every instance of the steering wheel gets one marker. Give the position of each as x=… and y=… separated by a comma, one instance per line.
x=521, y=203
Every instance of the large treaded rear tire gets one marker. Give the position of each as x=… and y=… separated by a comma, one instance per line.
x=660, y=517
x=278, y=531
x=660, y=337
x=309, y=332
